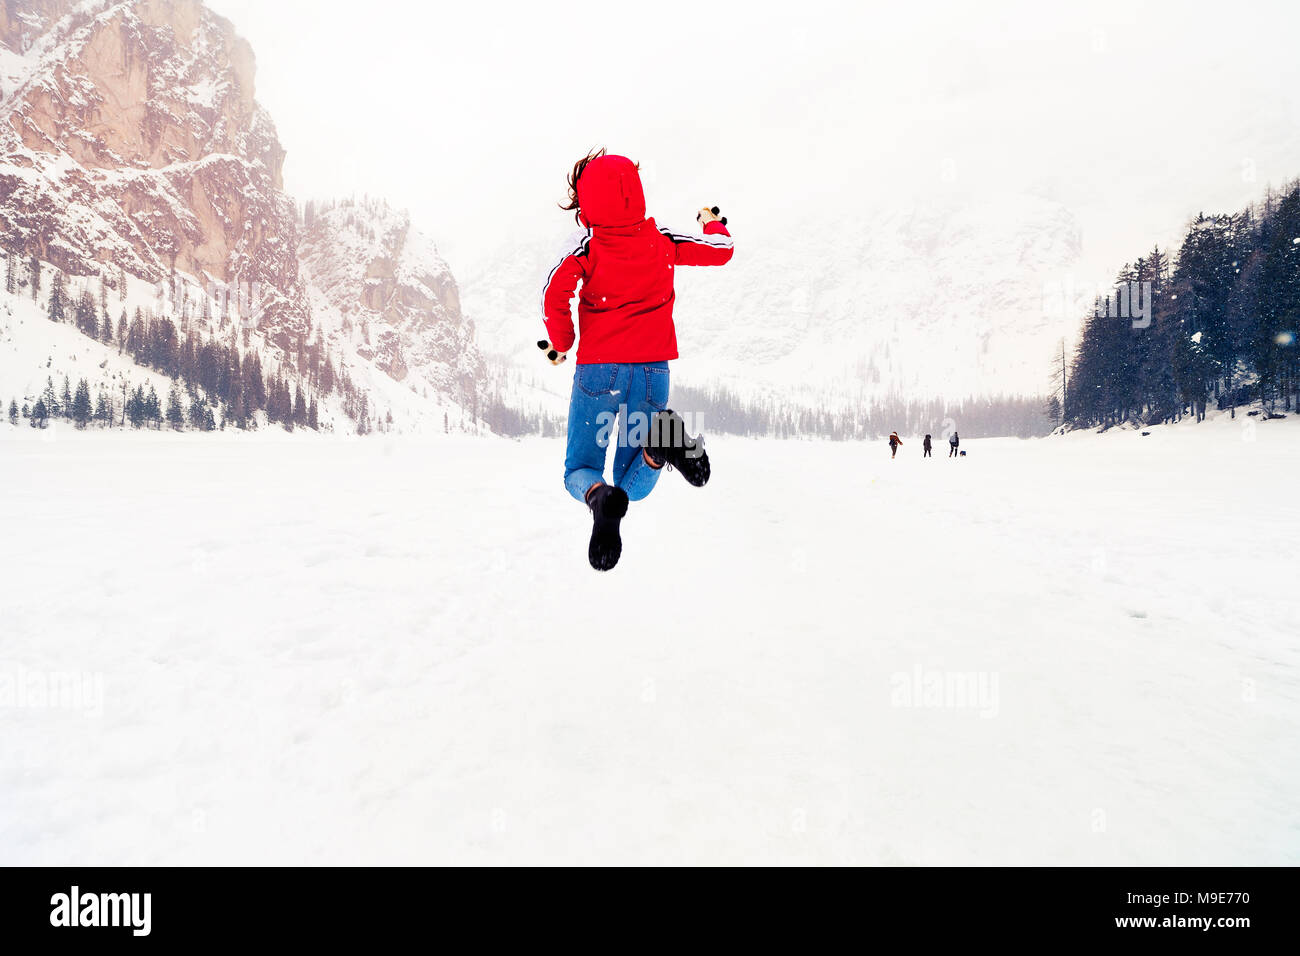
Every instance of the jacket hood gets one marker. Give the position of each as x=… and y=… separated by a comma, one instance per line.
x=610, y=193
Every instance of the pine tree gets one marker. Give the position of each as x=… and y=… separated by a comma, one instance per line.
x=238, y=413
x=13, y=412
x=175, y=412
x=153, y=408
x=1053, y=409
x=1277, y=303
x=81, y=408
x=272, y=400
x=136, y=335
x=135, y=407
x=121, y=332
x=87, y=320
x=104, y=410
x=165, y=353
x=1223, y=324
x=363, y=416
x=50, y=398
x=1060, y=379
x=1203, y=346
x=58, y=305
x=35, y=270
x=256, y=392
x=39, y=414
x=197, y=407
x=66, y=405
x=283, y=403
x=313, y=415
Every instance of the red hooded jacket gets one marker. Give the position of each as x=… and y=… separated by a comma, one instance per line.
x=625, y=264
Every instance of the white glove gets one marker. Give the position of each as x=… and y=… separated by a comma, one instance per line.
x=709, y=214
x=554, y=356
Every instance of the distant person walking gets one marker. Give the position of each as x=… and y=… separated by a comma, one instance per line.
x=953, y=442
x=894, y=442
x=926, y=445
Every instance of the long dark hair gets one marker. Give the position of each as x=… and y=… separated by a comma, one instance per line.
x=578, y=167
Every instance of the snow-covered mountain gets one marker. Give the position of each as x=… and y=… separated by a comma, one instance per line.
x=135, y=161
x=381, y=286
x=132, y=142
x=136, y=164
x=945, y=299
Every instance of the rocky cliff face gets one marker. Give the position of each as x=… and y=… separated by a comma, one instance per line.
x=131, y=145
x=395, y=300
x=130, y=139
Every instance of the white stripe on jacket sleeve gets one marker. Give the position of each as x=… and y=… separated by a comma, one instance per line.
x=575, y=245
x=717, y=240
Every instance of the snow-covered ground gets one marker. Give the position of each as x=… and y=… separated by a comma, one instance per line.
x=1072, y=650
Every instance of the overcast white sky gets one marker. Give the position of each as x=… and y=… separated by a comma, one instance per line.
x=1131, y=114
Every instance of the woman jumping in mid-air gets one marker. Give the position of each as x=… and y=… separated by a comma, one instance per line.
x=625, y=263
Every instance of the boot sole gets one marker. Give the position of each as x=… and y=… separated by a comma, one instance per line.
x=606, y=546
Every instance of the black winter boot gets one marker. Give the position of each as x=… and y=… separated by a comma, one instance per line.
x=608, y=506
x=668, y=444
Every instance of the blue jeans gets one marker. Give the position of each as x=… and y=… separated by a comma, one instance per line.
x=613, y=402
